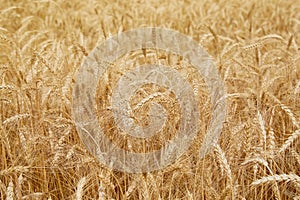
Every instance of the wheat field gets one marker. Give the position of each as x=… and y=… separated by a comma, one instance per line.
x=256, y=49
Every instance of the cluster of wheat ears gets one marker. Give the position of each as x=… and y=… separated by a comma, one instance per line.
x=256, y=48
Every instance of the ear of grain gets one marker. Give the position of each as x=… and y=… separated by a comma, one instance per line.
x=10, y=191
x=15, y=118
x=261, y=161
x=101, y=193
x=285, y=108
x=80, y=188
x=223, y=161
x=131, y=188
x=279, y=178
x=263, y=129
x=289, y=141
x=13, y=170
x=296, y=156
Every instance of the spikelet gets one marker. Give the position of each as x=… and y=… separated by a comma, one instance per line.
x=80, y=186
x=278, y=178
x=10, y=191
x=70, y=153
x=15, y=118
x=297, y=88
x=82, y=49
x=149, y=98
x=256, y=160
x=6, y=40
x=154, y=183
x=286, y=109
x=36, y=195
x=229, y=50
x=44, y=61
x=223, y=161
x=263, y=129
x=296, y=156
x=20, y=179
x=289, y=141
x=101, y=192
x=23, y=140
x=290, y=114
x=15, y=169
x=145, y=189
x=253, y=46
x=131, y=188
x=272, y=145
x=263, y=40
x=7, y=87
